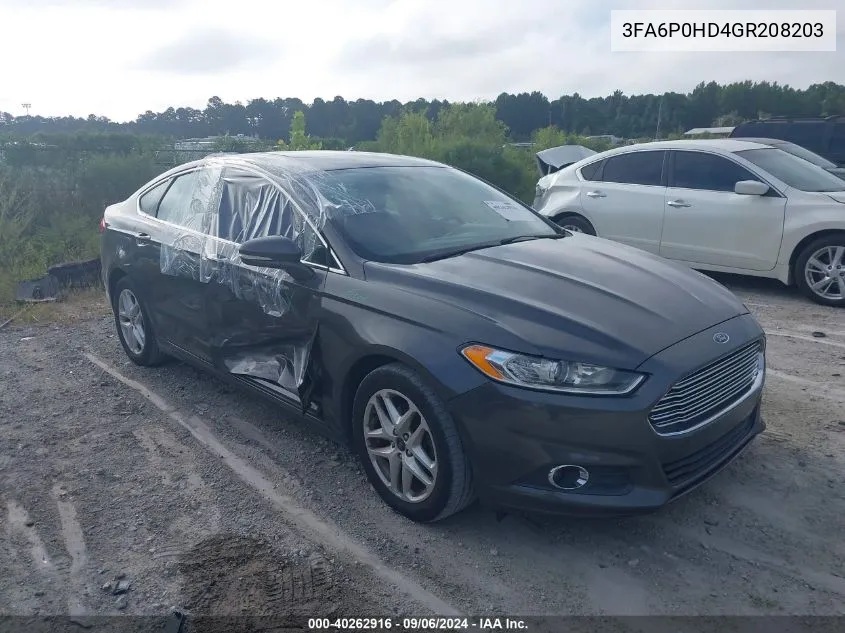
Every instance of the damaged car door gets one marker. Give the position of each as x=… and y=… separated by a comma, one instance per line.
x=263, y=321
x=185, y=217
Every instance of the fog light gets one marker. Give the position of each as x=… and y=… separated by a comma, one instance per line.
x=568, y=477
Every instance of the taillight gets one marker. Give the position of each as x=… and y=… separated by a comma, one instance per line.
x=102, y=225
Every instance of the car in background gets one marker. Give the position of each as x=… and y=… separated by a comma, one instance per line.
x=823, y=135
x=725, y=205
x=461, y=343
x=800, y=152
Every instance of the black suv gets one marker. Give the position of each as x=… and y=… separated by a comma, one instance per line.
x=823, y=135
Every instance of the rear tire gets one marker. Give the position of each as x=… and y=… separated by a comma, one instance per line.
x=426, y=442
x=575, y=224
x=819, y=270
x=134, y=328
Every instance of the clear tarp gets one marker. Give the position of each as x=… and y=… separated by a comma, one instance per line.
x=224, y=203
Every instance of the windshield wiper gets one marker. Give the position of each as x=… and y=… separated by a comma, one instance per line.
x=458, y=251
x=525, y=238
x=477, y=247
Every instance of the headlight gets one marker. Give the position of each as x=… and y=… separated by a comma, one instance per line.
x=551, y=375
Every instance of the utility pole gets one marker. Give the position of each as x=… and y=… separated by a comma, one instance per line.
x=26, y=106
x=659, y=112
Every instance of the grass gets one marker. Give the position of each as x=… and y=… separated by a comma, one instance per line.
x=76, y=305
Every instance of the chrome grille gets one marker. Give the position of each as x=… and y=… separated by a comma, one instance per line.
x=707, y=391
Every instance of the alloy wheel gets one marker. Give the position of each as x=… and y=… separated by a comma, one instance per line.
x=131, y=321
x=400, y=445
x=824, y=272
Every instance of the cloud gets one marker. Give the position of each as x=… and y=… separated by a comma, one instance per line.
x=211, y=50
x=481, y=49
x=179, y=52
x=119, y=5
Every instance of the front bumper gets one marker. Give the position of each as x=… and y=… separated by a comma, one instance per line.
x=514, y=437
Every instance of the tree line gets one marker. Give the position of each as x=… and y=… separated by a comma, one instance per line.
x=351, y=122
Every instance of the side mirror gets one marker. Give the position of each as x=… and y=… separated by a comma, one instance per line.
x=275, y=251
x=751, y=188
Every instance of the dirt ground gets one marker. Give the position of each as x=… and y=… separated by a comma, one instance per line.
x=198, y=496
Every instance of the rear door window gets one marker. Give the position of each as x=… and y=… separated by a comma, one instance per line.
x=708, y=172
x=635, y=168
x=191, y=200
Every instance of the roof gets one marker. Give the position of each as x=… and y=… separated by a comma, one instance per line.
x=718, y=144
x=709, y=130
x=329, y=160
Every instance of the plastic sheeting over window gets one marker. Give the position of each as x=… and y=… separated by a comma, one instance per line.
x=210, y=211
x=251, y=207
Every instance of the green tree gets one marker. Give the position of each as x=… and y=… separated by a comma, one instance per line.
x=471, y=120
x=299, y=139
x=550, y=136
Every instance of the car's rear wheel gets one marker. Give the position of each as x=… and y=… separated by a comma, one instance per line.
x=820, y=270
x=133, y=325
x=575, y=224
x=409, y=445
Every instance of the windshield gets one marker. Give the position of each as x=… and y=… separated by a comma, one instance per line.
x=794, y=171
x=406, y=215
x=800, y=152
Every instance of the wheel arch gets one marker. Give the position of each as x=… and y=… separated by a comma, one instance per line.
x=367, y=362
x=113, y=278
x=805, y=241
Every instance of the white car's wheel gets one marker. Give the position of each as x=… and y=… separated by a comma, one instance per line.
x=820, y=270
x=575, y=224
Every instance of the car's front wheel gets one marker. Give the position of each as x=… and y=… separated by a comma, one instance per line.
x=133, y=325
x=820, y=270
x=409, y=445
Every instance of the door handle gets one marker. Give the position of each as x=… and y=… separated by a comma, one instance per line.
x=596, y=194
x=678, y=204
x=142, y=239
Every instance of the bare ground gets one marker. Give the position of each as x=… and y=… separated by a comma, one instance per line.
x=205, y=498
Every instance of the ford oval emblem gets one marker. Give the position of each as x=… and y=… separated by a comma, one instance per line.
x=721, y=338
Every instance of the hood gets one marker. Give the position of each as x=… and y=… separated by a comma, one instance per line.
x=576, y=298
x=839, y=196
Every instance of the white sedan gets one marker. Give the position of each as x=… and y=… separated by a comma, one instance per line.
x=720, y=205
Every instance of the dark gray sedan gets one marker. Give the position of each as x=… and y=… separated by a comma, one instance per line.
x=462, y=344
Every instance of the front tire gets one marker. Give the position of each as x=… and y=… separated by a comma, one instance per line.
x=134, y=328
x=409, y=445
x=820, y=270
x=575, y=224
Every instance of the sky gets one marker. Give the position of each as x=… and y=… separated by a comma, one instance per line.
x=119, y=58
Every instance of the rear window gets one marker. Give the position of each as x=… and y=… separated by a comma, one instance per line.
x=807, y=134
x=837, y=141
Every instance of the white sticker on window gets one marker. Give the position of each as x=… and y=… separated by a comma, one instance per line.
x=507, y=209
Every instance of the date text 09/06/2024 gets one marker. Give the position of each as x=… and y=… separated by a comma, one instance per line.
x=417, y=624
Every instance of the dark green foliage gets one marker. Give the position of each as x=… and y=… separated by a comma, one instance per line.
x=629, y=116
